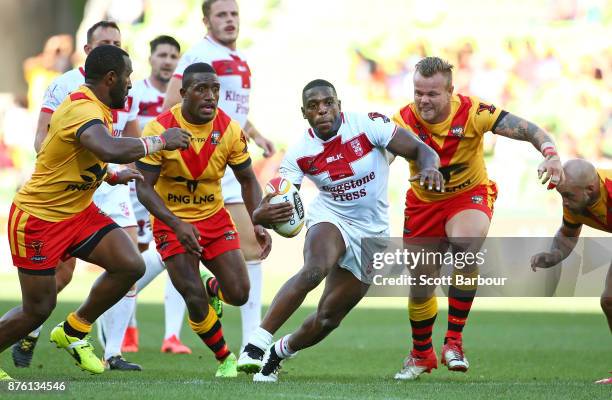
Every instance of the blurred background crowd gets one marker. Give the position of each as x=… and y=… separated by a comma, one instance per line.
x=546, y=60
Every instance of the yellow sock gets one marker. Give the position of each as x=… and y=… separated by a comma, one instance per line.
x=423, y=311
x=207, y=324
x=79, y=324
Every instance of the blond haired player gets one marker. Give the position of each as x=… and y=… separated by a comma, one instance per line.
x=454, y=126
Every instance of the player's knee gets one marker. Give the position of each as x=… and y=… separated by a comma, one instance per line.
x=469, y=231
x=310, y=277
x=238, y=294
x=328, y=321
x=40, y=311
x=193, y=294
x=135, y=267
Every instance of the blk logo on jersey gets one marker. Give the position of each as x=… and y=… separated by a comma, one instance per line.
x=230, y=235
x=336, y=157
x=192, y=184
x=91, y=183
x=97, y=171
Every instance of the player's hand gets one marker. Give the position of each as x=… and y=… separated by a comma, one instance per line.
x=546, y=259
x=176, y=138
x=266, y=213
x=122, y=177
x=264, y=240
x=551, y=171
x=189, y=236
x=430, y=178
x=266, y=145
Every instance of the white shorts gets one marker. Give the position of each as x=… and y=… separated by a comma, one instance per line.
x=143, y=218
x=352, y=235
x=115, y=202
x=230, y=188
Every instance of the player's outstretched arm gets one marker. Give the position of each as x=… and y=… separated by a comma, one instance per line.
x=42, y=128
x=96, y=138
x=173, y=94
x=563, y=244
x=515, y=127
x=186, y=233
x=410, y=147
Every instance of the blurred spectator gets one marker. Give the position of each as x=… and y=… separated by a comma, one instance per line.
x=40, y=70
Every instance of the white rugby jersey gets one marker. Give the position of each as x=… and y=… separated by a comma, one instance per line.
x=350, y=169
x=68, y=82
x=150, y=101
x=233, y=71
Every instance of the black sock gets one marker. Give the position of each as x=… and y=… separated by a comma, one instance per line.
x=70, y=331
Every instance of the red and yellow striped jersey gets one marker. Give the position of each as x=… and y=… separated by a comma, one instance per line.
x=458, y=141
x=599, y=215
x=66, y=174
x=190, y=180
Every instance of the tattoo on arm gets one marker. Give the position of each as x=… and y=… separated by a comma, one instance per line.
x=517, y=128
x=565, y=239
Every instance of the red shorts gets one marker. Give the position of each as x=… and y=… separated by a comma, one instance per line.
x=217, y=236
x=39, y=245
x=428, y=219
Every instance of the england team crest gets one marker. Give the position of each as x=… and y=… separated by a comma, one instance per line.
x=356, y=146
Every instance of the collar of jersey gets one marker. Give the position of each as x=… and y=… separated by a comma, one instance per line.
x=215, y=43
x=188, y=124
x=87, y=91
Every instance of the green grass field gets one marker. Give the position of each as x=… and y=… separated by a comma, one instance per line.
x=513, y=355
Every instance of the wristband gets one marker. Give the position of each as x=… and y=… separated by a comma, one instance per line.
x=112, y=177
x=548, y=150
x=153, y=144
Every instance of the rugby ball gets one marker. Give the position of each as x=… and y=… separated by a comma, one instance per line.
x=284, y=191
